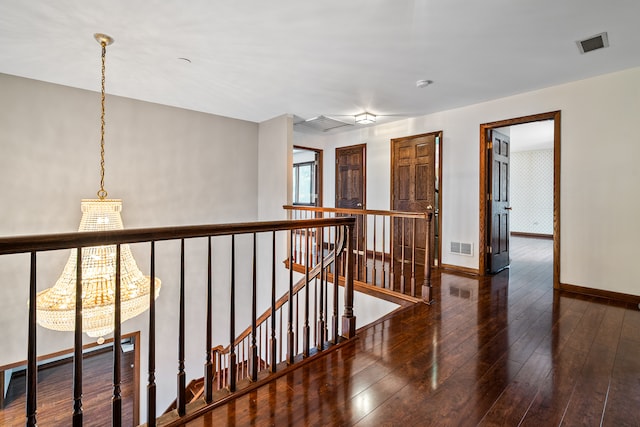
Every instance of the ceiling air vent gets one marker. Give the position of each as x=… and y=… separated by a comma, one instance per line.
x=322, y=123
x=593, y=43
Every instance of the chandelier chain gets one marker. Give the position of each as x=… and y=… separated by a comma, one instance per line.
x=102, y=193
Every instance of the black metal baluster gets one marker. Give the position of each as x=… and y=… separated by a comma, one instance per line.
x=32, y=355
x=253, y=352
x=232, y=320
x=116, y=400
x=182, y=379
x=77, y=354
x=151, y=386
x=208, y=366
x=274, y=343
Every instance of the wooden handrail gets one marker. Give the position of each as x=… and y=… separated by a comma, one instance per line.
x=393, y=214
x=50, y=242
x=77, y=240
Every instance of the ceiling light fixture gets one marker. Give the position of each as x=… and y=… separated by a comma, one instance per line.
x=365, y=118
x=55, y=306
x=423, y=83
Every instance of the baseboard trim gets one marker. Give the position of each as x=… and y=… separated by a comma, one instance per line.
x=448, y=268
x=600, y=293
x=534, y=235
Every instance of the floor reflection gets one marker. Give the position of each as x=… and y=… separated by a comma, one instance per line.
x=499, y=350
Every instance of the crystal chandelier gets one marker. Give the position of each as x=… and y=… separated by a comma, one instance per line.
x=55, y=306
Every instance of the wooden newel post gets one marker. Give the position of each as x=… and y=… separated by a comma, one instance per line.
x=426, y=284
x=348, y=319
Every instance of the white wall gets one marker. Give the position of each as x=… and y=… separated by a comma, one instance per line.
x=600, y=148
x=170, y=167
x=531, y=187
x=275, y=163
x=275, y=160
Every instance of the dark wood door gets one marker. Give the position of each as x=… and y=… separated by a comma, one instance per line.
x=350, y=175
x=498, y=201
x=413, y=182
x=350, y=184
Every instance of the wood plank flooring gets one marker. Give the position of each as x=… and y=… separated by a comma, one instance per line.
x=55, y=392
x=504, y=350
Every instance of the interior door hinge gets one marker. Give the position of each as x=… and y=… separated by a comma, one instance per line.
x=489, y=250
x=490, y=145
x=489, y=197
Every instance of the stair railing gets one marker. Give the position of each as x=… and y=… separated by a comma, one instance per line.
x=318, y=276
x=393, y=250
x=35, y=245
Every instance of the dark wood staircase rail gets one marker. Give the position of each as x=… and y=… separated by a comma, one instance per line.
x=380, y=261
x=220, y=354
x=76, y=241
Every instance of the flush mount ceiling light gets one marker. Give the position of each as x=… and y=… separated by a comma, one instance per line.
x=55, y=306
x=365, y=118
x=423, y=83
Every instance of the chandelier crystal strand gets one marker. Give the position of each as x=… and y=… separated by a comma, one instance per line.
x=55, y=306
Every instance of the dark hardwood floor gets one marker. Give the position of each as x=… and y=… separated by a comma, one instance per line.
x=55, y=392
x=502, y=350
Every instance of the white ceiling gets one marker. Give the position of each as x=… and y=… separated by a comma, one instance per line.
x=256, y=59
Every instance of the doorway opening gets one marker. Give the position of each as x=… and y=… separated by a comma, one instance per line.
x=496, y=154
x=307, y=176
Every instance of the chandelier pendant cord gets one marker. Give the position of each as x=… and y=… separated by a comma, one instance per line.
x=102, y=193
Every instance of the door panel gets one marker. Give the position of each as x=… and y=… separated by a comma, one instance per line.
x=350, y=185
x=498, y=205
x=350, y=177
x=413, y=190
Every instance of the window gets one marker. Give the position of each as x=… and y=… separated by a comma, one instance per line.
x=304, y=185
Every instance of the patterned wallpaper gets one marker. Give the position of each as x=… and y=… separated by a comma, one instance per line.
x=532, y=191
